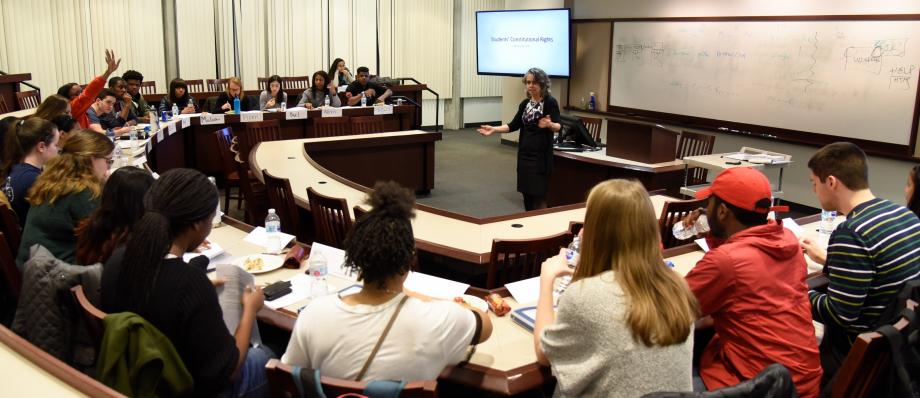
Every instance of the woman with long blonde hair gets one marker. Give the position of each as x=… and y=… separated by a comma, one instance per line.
x=67, y=191
x=623, y=327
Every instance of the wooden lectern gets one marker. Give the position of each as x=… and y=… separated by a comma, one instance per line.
x=9, y=86
x=414, y=93
x=639, y=142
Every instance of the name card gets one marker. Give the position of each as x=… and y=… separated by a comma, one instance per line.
x=149, y=146
x=383, y=109
x=160, y=136
x=186, y=121
x=212, y=119
x=249, y=117
x=332, y=112
x=172, y=128
x=296, y=113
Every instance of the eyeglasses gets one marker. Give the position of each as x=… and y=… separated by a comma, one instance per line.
x=108, y=161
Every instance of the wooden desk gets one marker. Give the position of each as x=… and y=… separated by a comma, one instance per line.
x=575, y=173
x=10, y=85
x=30, y=372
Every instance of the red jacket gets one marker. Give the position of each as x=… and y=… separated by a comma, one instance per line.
x=753, y=286
x=79, y=105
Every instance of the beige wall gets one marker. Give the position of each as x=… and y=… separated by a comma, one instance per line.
x=887, y=176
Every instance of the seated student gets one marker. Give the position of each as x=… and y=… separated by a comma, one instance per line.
x=110, y=225
x=638, y=312
x=149, y=277
x=141, y=108
x=359, y=88
x=869, y=256
x=315, y=96
x=910, y=190
x=274, y=96
x=65, y=193
x=66, y=125
x=30, y=144
x=101, y=116
x=234, y=90
x=178, y=95
x=752, y=284
x=52, y=107
x=81, y=100
x=424, y=338
x=123, y=111
x=339, y=75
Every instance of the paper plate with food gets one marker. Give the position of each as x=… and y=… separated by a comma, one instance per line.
x=258, y=263
x=472, y=301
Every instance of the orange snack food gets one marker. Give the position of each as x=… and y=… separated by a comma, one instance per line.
x=497, y=304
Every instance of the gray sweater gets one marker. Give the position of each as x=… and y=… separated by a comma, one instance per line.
x=592, y=351
x=317, y=102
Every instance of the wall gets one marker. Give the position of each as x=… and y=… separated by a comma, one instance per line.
x=886, y=176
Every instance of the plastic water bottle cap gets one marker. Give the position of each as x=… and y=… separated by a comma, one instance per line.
x=271, y=211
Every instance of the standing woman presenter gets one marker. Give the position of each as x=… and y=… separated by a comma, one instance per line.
x=537, y=118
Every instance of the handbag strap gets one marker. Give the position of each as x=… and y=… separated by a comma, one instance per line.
x=383, y=336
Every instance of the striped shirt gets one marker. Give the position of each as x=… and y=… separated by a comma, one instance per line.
x=869, y=258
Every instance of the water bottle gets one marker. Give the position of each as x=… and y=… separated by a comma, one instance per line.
x=236, y=105
x=132, y=136
x=175, y=111
x=363, y=100
x=273, y=230
x=283, y=106
x=8, y=189
x=110, y=134
x=701, y=226
x=828, y=218
x=215, y=222
x=592, y=103
x=317, y=267
x=326, y=101
x=572, y=255
x=117, y=160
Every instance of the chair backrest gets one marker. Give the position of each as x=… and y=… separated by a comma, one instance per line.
x=9, y=225
x=331, y=219
x=217, y=84
x=575, y=227
x=298, y=82
x=330, y=126
x=672, y=213
x=149, y=87
x=695, y=144
x=91, y=316
x=593, y=125
x=281, y=384
x=359, y=211
x=366, y=124
x=262, y=83
x=868, y=358
x=28, y=99
x=11, y=274
x=4, y=108
x=514, y=260
x=281, y=198
x=256, y=132
x=195, y=86
x=224, y=138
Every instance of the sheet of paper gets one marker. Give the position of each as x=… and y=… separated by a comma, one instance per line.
x=160, y=135
x=214, y=251
x=332, y=112
x=335, y=260
x=525, y=292
x=793, y=226
x=211, y=119
x=172, y=128
x=259, y=237
x=229, y=295
x=383, y=109
x=295, y=113
x=433, y=286
x=186, y=121
x=702, y=243
x=251, y=116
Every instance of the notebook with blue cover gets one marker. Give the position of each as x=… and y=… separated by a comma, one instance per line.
x=525, y=316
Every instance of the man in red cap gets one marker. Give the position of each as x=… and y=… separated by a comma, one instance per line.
x=753, y=287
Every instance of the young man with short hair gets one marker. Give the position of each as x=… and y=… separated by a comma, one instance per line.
x=753, y=287
x=123, y=112
x=105, y=103
x=869, y=256
x=134, y=79
x=362, y=88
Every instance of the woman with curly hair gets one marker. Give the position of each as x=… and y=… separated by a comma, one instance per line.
x=66, y=192
x=419, y=338
x=110, y=225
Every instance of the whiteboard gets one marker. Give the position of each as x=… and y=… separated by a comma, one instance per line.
x=851, y=79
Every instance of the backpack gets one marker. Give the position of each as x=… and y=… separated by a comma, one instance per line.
x=309, y=386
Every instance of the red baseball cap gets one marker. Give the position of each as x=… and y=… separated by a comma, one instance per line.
x=743, y=187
